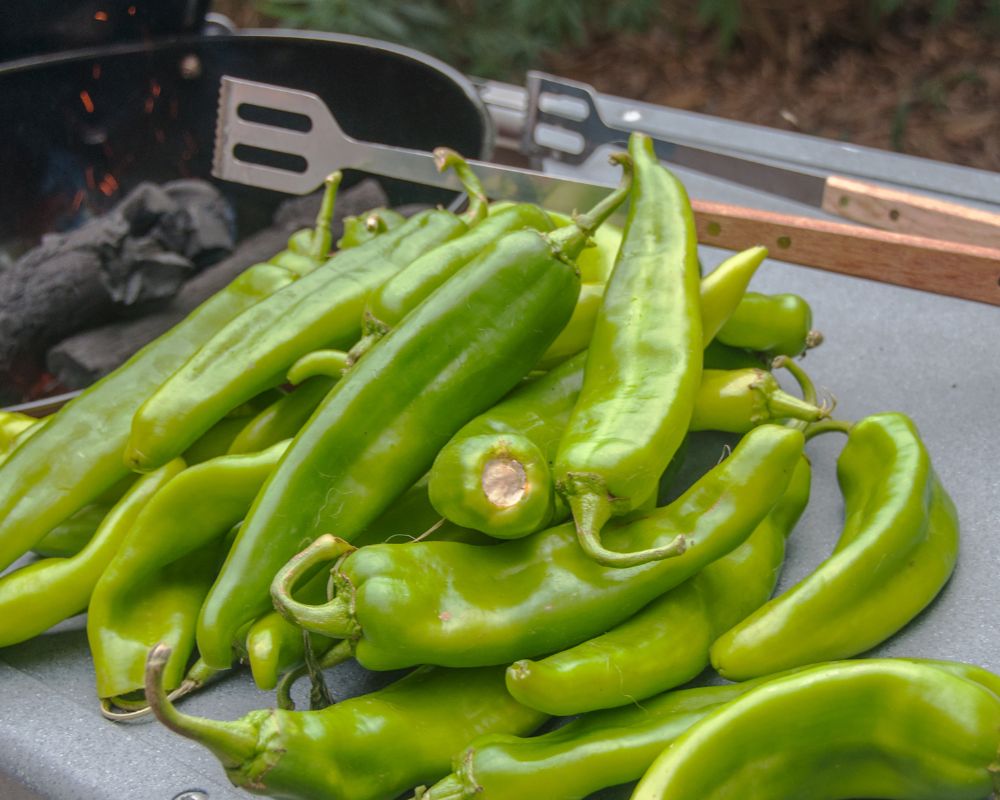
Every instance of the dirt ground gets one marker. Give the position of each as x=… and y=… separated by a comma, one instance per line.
x=925, y=90
x=903, y=83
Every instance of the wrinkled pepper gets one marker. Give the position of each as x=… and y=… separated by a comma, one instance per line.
x=461, y=605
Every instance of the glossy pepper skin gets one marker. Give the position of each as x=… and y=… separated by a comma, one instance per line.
x=153, y=588
x=495, y=474
x=605, y=748
x=897, y=549
x=43, y=593
x=875, y=728
x=462, y=605
x=12, y=426
x=365, y=748
x=643, y=365
x=379, y=429
x=254, y=351
x=667, y=642
x=283, y=418
x=76, y=455
x=778, y=324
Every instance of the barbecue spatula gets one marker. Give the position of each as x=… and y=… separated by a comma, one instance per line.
x=287, y=140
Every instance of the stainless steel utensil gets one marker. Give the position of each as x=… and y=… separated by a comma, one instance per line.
x=564, y=122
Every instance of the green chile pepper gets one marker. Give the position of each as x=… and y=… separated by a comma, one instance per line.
x=153, y=588
x=76, y=454
x=667, y=642
x=876, y=728
x=604, y=748
x=721, y=292
x=283, y=418
x=254, y=351
x=70, y=537
x=365, y=748
x=364, y=227
x=643, y=365
x=397, y=407
x=495, y=476
x=897, y=549
x=778, y=324
x=462, y=605
x=274, y=645
x=391, y=302
x=12, y=425
x=43, y=593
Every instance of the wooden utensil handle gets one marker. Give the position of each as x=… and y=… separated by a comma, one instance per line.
x=949, y=268
x=905, y=212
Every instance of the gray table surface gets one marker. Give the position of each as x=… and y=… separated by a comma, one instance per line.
x=887, y=348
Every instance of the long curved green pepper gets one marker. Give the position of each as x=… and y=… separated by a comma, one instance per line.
x=778, y=324
x=874, y=728
x=43, y=593
x=153, y=588
x=394, y=299
x=495, y=476
x=605, y=748
x=253, y=352
x=283, y=418
x=76, y=454
x=896, y=551
x=667, y=642
x=378, y=430
x=365, y=748
x=462, y=605
x=643, y=365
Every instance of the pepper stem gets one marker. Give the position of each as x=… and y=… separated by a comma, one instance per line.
x=333, y=618
x=338, y=654
x=327, y=363
x=322, y=240
x=570, y=241
x=448, y=788
x=826, y=426
x=446, y=158
x=591, y=510
x=234, y=743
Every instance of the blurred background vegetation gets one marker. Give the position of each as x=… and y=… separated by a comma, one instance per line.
x=918, y=76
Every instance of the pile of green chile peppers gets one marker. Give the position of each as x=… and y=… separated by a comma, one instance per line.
x=397, y=407
x=425, y=602
x=76, y=454
x=643, y=365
